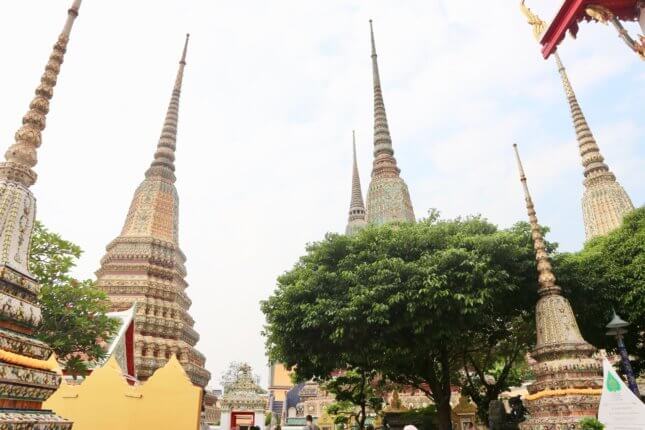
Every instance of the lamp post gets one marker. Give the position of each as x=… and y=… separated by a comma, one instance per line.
x=618, y=327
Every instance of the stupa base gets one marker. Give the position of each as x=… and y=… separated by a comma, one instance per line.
x=16, y=419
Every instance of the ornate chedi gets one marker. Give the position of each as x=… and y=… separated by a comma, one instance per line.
x=27, y=366
x=388, y=198
x=356, y=221
x=604, y=201
x=568, y=376
x=144, y=264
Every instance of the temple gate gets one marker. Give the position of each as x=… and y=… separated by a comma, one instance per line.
x=243, y=403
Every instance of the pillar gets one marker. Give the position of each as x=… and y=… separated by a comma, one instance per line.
x=225, y=419
x=259, y=419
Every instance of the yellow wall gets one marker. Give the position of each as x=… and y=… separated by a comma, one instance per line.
x=105, y=401
x=280, y=381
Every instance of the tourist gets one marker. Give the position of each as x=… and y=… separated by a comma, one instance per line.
x=310, y=424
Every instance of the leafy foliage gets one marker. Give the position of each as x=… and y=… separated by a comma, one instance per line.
x=51, y=257
x=406, y=301
x=74, y=312
x=591, y=424
x=609, y=273
x=356, y=394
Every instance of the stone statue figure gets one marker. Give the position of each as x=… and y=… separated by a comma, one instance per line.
x=498, y=419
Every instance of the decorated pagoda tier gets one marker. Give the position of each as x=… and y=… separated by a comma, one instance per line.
x=568, y=376
x=27, y=366
x=388, y=198
x=145, y=266
x=604, y=202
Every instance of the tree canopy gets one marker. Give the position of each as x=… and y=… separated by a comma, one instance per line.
x=442, y=303
x=74, y=312
x=406, y=300
x=609, y=274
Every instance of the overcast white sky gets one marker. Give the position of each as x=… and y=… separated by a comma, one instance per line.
x=271, y=93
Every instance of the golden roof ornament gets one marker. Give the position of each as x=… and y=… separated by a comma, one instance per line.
x=538, y=25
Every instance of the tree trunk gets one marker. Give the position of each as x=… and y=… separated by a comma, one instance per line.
x=361, y=424
x=444, y=413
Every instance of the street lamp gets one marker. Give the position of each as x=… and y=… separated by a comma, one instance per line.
x=618, y=327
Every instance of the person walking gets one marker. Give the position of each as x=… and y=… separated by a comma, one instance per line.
x=309, y=424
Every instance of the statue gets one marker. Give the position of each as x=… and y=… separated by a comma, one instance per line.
x=518, y=411
x=498, y=419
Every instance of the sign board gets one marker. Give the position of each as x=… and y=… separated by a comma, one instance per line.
x=620, y=409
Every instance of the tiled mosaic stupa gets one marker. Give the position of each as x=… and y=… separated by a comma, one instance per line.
x=388, y=198
x=604, y=201
x=144, y=264
x=568, y=378
x=27, y=375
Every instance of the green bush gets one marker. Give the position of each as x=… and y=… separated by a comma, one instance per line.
x=591, y=424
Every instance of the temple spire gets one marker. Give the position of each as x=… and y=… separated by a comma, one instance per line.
x=356, y=219
x=27, y=365
x=546, y=278
x=604, y=202
x=163, y=165
x=382, y=138
x=162, y=327
x=388, y=198
x=21, y=156
x=564, y=360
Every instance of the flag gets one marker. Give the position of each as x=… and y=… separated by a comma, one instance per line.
x=620, y=409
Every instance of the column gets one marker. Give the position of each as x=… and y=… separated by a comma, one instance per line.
x=259, y=419
x=225, y=419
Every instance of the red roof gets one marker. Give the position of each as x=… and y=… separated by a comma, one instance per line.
x=573, y=11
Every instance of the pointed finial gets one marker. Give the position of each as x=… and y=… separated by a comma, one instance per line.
x=163, y=165
x=183, y=55
x=382, y=138
x=372, y=37
x=21, y=156
x=546, y=278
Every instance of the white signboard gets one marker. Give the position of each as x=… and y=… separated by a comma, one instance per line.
x=620, y=409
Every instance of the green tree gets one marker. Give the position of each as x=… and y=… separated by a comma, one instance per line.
x=356, y=393
x=609, y=273
x=74, y=312
x=406, y=302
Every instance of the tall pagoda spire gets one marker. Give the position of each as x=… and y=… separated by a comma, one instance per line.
x=145, y=265
x=356, y=219
x=604, y=201
x=388, y=198
x=568, y=377
x=28, y=361
x=163, y=165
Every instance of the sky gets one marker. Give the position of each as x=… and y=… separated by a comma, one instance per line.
x=271, y=94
